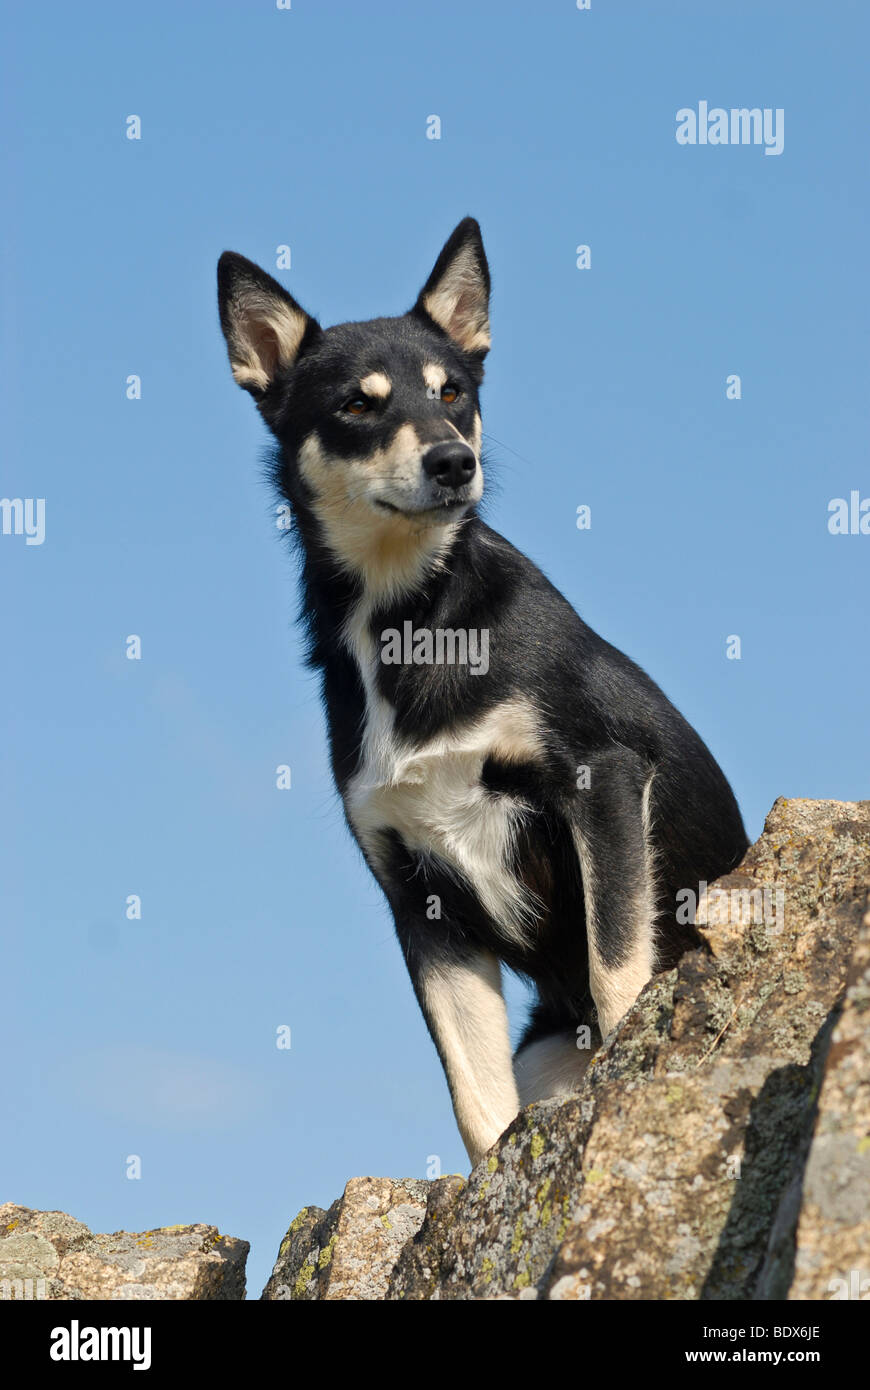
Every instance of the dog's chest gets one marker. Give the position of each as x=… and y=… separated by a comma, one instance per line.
x=430, y=792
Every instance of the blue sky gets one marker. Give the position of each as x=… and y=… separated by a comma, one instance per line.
x=605, y=387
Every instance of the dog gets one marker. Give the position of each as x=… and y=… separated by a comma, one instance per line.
x=538, y=809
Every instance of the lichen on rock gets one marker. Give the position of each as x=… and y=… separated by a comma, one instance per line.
x=49, y=1255
x=719, y=1147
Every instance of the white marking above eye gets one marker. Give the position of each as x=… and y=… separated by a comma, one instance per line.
x=434, y=376
x=376, y=384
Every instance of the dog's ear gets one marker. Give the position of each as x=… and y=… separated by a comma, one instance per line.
x=456, y=295
x=264, y=327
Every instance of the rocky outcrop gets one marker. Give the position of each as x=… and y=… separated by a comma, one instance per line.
x=49, y=1255
x=719, y=1147
x=833, y=1230
x=350, y=1251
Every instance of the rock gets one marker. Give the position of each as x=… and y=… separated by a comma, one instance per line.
x=718, y=1147
x=49, y=1255
x=349, y=1251
x=833, y=1231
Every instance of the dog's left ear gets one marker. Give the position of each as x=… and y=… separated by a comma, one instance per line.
x=456, y=295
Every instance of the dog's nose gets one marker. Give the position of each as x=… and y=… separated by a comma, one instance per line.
x=450, y=464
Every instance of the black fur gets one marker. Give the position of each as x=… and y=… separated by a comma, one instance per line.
x=597, y=707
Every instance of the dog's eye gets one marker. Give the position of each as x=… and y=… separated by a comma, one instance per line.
x=357, y=405
x=450, y=392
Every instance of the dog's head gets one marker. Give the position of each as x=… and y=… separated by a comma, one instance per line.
x=378, y=422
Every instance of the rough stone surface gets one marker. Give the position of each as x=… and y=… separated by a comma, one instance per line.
x=719, y=1147
x=349, y=1251
x=720, y=1143
x=49, y=1255
x=833, y=1234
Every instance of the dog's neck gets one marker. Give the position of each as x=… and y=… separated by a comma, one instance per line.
x=397, y=563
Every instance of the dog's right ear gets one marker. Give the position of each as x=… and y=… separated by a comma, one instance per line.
x=264, y=327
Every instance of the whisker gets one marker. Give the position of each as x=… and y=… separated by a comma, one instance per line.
x=521, y=457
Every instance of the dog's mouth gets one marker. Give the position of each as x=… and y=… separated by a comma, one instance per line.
x=449, y=507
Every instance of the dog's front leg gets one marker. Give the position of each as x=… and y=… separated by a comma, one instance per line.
x=459, y=991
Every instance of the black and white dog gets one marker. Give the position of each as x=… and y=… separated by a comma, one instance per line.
x=523, y=793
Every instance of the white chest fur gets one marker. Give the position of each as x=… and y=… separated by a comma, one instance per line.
x=431, y=793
